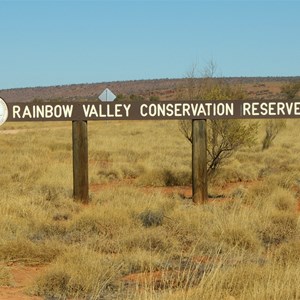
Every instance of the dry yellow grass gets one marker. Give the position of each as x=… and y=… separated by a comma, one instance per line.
x=243, y=247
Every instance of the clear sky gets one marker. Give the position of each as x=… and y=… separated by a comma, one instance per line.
x=46, y=43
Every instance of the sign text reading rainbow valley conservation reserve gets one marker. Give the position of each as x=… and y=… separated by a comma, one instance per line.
x=146, y=110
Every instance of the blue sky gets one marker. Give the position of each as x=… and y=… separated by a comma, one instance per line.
x=62, y=42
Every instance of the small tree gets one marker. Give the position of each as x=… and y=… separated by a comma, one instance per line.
x=224, y=136
x=290, y=89
x=272, y=128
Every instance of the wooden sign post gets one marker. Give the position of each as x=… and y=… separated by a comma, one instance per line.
x=80, y=161
x=199, y=162
x=198, y=111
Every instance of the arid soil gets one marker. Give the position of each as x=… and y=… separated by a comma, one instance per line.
x=22, y=277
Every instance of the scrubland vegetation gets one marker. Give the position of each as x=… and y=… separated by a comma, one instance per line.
x=138, y=238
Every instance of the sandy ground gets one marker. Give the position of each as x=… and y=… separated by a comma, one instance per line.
x=23, y=276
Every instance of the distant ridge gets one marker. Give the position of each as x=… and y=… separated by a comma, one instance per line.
x=145, y=88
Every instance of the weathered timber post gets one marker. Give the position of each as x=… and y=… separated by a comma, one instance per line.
x=80, y=161
x=199, y=161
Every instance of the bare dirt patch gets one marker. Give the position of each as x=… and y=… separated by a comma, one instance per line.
x=23, y=276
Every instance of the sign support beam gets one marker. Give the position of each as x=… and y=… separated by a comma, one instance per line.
x=80, y=161
x=199, y=162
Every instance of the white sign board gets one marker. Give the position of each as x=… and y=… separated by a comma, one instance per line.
x=107, y=96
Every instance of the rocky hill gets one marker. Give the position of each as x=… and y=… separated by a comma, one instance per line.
x=164, y=89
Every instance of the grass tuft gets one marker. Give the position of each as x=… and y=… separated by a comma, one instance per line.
x=6, y=278
x=29, y=253
x=278, y=228
x=165, y=177
x=77, y=273
x=151, y=218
